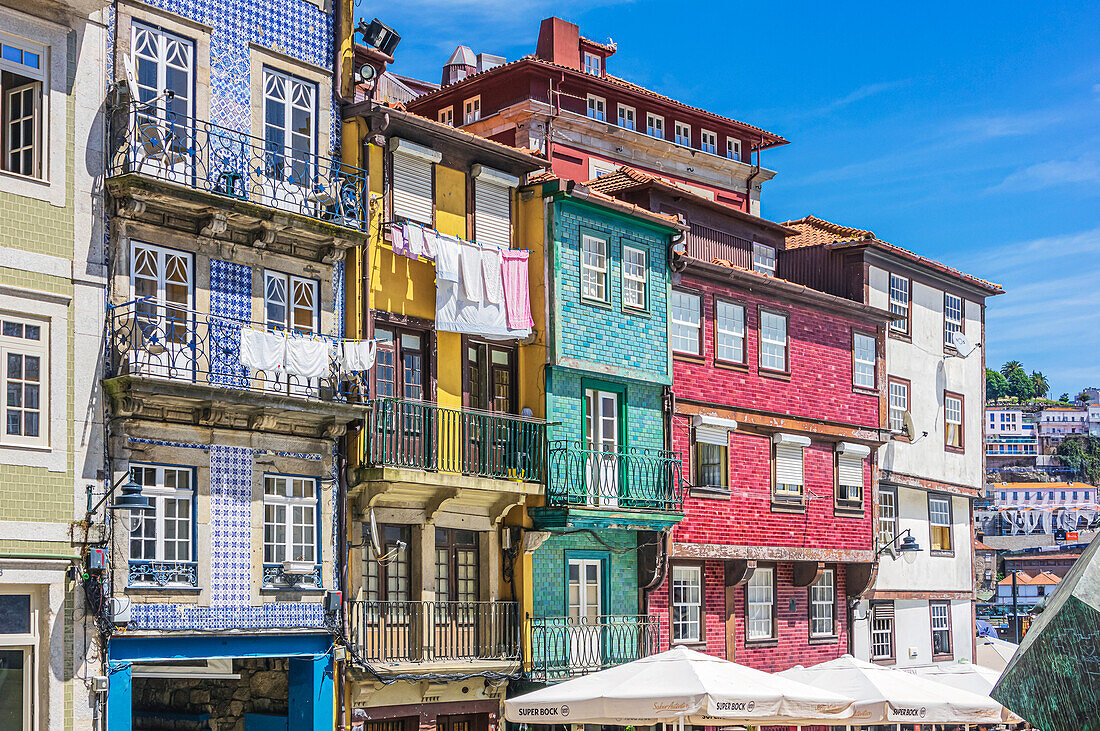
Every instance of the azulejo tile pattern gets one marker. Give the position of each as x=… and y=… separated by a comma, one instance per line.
x=230, y=307
x=231, y=526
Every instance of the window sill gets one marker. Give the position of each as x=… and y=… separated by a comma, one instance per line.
x=865, y=391
x=945, y=656
x=904, y=337
x=884, y=660
x=602, y=304
x=24, y=178
x=788, y=506
x=823, y=640
x=759, y=644
x=689, y=358
x=157, y=588
x=942, y=554
x=706, y=492
x=849, y=511
x=954, y=450
x=294, y=589
x=731, y=366
x=777, y=375
x=636, y=311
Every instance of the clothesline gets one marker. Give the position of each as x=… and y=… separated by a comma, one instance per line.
x=276, y=353
x=401, y=247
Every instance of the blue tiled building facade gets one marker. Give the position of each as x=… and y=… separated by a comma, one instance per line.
x=612, y=487
x=227, y=215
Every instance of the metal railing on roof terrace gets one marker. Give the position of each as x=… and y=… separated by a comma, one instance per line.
x=625, y=479
x=425, y=436
x=279, y=171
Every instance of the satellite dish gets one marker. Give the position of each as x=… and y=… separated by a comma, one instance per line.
x=375, y=541
x=962, y=344
x=907, y=424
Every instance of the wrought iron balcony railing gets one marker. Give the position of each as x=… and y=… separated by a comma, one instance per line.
x=425, y=436
x=627, y=479
x=421, y=632
x=165, y=340
x=163, y=573
x=159, y=143
x=564, y=647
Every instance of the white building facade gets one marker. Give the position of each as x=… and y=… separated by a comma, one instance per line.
x=1011, y=438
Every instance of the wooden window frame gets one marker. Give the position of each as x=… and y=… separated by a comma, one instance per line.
x=908, y=400
x=891, y=328
x=949, y=552
x=775, y=257
x=403, y=325
x=592, y=61
x=651, y=116
x=950, y=654
x=744, y=362
x=878, y=516
x=765, y=370
x=734, y=148
x=697, y=468
x=845, y=505
x=468, y=342
x=892, y=658
x=962, y=422
x=948, y=348
x=874, y=362
x=446, y=115
x=832, y=634
x=474, y=98
x=774, y=639
x=702, y=298
x=606, y=271
x=451, y=545
x=784, y=503
x=701, y=567
x=589, y=107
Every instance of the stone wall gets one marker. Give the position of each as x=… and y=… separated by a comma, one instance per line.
x=178, y=704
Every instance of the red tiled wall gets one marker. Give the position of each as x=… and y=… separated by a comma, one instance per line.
x=792, y=646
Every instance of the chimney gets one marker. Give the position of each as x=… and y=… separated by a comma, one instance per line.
x=460, y=65
x=486, y=61
x=560, y=43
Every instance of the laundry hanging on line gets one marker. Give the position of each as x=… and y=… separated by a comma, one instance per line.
x=303, y=355
x=358, y=355
x=262, y=351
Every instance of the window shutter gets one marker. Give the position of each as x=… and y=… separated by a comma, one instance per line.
x=492, y=214
x=412, y=188
x=788, y=464
x=884, y=611
x=712, y=435
x=850, y=470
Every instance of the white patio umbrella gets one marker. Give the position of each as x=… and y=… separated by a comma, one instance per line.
x=967, y=676
x=994, y=653
x=679, y=686
x=884, y=695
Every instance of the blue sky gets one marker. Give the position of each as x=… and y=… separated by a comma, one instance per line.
x=969, y=132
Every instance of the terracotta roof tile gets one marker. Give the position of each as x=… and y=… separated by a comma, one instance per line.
x=979, y=546
x=609, y=47
x=815, y=231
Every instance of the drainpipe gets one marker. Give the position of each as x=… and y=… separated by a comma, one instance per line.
x=752, y=177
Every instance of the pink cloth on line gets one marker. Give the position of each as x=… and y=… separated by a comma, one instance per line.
x=398, y=239
x=517, y=294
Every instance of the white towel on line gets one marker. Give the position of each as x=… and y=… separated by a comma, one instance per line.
x=447, y=253
x=307, y=358
x=262, y=351
x=471, y=272
x=431, y=237
x=415, y=234
x=358, y=355
x=490, y=270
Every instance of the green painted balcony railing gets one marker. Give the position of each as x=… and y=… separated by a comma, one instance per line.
x=625, y=479
x=425, y=436
x=565, y=647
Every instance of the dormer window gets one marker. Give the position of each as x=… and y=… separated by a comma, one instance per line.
x=708, y=142
x=597, y=108
x=626, y=117
x=683, y=134
x=471, y=110
x=593, y=64
x=763, y=259
x=447, y=116
x=733, y=149
x=655, y=126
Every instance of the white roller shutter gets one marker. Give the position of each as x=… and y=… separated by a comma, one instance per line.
x=849, y=470
x=492, y=206
x=788, y=464
x=412, y=180
x=712, y=429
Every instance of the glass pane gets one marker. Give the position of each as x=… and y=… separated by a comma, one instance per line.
x=15, y=614
x=13, y=681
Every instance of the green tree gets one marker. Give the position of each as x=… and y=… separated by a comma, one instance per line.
x=996, y=385
x=1040, y=384
x=1082, y=454
x=1064, y=398
x=1084, y=398
x=1020, y=386
x=1008, y=368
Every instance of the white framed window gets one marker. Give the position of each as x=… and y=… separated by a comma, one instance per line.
x=594, y=268
x=685, y=322
x=941, y=628
x=953, y=421
x=952, y=317
x=939, y=521
x=162, y=62
x=823, y=605
x=165, y=533
x=760, y=604
x=19, y=644
x=882, y=631
x=863, y=360
x=849, y=473
x=773, y=341
x=471, y=110
x=655, y=125
x=24, y=352
x=899, y=302
x=729, y=332
x=763, y=259
x=626, y=117
x=597, y=108
x=290, y=128
x=733, y=148
x=711, y=460
x=447, y=116
x=593, y=64
x=683, y=134
x=887, y=515
x=708, y=141
x=290, y=519
x=687, y=601
x=290, y=302
x=635, y=278
x=21, y=138
x=899, y=404
x=788, y=467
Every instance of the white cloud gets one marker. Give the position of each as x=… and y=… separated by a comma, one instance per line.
x=1050, y=174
